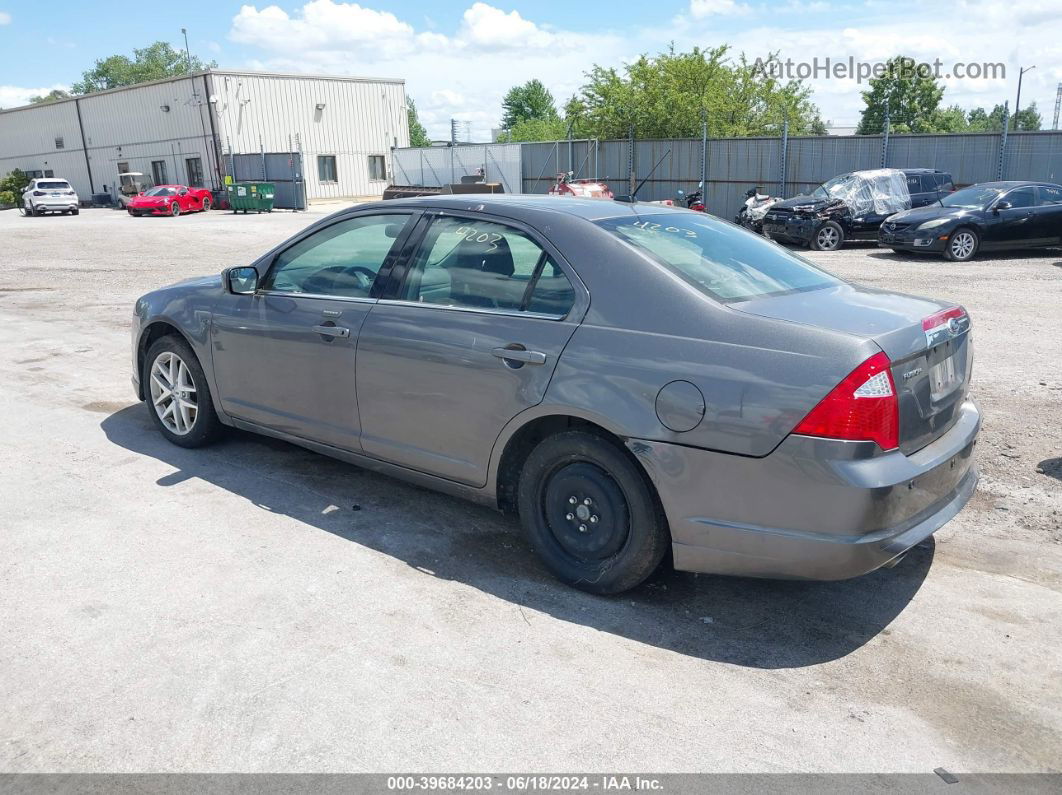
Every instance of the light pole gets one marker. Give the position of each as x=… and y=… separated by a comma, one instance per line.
x=1017, y=100
x=188, y=54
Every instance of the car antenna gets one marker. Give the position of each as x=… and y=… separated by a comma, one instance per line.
x=634, y=194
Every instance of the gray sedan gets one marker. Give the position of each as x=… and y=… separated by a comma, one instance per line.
x=629, y=379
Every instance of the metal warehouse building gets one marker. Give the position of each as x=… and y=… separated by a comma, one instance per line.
x=317, y=136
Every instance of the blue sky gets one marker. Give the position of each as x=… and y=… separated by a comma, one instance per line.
x=458, y=58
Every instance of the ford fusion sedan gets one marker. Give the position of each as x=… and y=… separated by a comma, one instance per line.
x=49, y=196
x=629, y=379
x=170, y=200
x=992, y=216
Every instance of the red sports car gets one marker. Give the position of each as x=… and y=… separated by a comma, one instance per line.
x=170, y=200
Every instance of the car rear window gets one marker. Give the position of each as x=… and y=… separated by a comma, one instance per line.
x=721, y=260
x=53, y=186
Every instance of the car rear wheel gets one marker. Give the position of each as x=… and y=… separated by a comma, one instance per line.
x=962, y=245
x=206, y=205
x=178, y=394
x=590, y=513
x=828, y=237
x=175, y=209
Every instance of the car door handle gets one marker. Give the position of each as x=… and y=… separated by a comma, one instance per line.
x=520, y=355
x=332, y=331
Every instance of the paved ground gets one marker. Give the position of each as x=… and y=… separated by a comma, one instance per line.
x=255, y=607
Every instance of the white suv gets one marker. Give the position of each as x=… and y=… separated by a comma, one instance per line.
x=49, y=196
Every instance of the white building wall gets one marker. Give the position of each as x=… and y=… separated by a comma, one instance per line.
x=27, y=142
x=358, y=118
x=169, y=121
x=130, y=126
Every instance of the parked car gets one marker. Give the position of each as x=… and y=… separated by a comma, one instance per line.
x=992, y=216
x=853, y=206
x=565, y=184
x=628, y=383
x=756, y=204
x=170, y=200
x=49, y=195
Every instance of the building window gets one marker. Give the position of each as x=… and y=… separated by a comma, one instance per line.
x=34, y=174
x=194, y=167
x=58, y=142
x=158, y=172
x=326, y=168
x=48, y=173
x=377, y=167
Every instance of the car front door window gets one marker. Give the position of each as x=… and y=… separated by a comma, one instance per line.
x=342, y=260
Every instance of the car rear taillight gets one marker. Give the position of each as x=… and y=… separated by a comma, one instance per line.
x=863, y=407
x=38, y=193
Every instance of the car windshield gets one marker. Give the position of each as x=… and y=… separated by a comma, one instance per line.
x=161, y=192
x=719, y=259
x=830, y=187
x=53, y=186
x=972, y=198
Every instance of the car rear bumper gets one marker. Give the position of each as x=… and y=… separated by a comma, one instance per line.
x=55, y=204
x=817, y=509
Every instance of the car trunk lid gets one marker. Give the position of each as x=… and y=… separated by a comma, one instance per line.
x=927, y=342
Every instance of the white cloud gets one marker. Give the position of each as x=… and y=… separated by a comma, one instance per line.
x=463, y=75
x=488, y=27
x=5, y=18
x=13, y=96
x=706, y=8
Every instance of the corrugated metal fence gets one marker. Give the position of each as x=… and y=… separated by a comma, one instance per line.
x=442, y=165
x=737, y=164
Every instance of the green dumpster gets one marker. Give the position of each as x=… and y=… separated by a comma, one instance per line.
x=253, y=196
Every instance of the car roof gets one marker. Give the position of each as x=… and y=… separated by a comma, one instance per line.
x=923, y=171
x=589, y=209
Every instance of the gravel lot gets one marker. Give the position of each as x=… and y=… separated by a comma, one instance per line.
x=255, y=607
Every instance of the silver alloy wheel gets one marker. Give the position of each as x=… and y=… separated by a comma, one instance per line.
x=962, y=245
x=827, y=238
x=173, y=393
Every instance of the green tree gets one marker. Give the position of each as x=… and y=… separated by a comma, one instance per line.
x=951, y=119
x=418, y=136
x=155, y=62
x=912, y=94
x=51, y=96
x=13, y=186
x=665, y=96
x=980, y=120
x=535, y=130
x=530, y=101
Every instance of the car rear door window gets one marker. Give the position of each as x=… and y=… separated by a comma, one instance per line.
x=477, y=264
x=340, y=260
x=1050, y=197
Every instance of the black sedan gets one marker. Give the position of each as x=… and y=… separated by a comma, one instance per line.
x=988, y=217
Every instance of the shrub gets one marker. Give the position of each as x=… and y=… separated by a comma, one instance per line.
x=7, y=198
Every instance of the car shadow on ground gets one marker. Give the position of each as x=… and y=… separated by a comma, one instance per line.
x=755, y=623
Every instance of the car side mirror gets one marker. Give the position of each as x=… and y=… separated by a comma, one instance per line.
x=241, y=280
x=1001, y=206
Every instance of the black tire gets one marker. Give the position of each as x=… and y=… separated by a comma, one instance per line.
x=957, y=249
x=206, y=427
x=76, y=211
x=617, y=535
x=828, y=237
x=206, y=205
x=175, y=209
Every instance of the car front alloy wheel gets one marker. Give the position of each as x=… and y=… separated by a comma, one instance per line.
x=962, y=246
x=177, y=389
x=173, y=393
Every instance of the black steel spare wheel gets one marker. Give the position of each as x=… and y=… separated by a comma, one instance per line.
x=591, y=513
x=586, y=511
